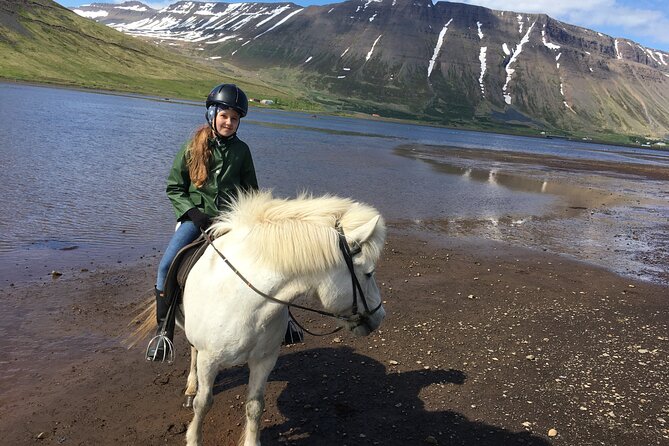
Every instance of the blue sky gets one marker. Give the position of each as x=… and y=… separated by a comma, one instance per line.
x=644, y=21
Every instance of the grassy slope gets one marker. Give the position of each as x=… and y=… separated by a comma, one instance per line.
x=40, y=41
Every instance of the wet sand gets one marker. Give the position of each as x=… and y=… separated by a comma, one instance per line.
x=615, y=215
x=483, y=345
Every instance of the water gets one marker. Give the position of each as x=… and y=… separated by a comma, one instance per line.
x=84, y=173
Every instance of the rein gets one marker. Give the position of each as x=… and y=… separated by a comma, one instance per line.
x=348, y=258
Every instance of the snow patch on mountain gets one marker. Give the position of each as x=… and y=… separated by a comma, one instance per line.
x=482, y=59
x=437, y=48
x=514, y=57
x=91, y=14
x=552, y=46
x=222, y=39
x=273, y=14
x=369, y=55
x=280, y=22
x=652, y=56
x=180, y=8
x=661, y=56
x=132, y=8
x=505, y=48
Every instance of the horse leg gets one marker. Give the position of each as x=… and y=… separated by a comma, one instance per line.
x=191, y=384
x=206, y=374
x=259, y=370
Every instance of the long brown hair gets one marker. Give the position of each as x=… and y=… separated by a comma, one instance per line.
x=198, y=154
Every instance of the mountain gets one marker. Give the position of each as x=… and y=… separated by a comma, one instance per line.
x=447, y=63
x=41, y=41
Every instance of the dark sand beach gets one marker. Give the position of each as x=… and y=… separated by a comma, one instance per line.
x=485, y=343
x=482, y=345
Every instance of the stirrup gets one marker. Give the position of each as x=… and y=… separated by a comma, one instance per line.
x=160, y=348
x=294, y=334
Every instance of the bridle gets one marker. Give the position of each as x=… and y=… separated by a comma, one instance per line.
x=355, y=317
x=348, y=258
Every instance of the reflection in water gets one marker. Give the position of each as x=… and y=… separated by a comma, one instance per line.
x=491, y=177
x=574, y=196
x=587, y=221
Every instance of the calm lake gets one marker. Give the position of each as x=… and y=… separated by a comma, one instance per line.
x=85, y=178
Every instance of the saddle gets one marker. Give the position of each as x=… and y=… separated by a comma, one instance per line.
x=183, y=262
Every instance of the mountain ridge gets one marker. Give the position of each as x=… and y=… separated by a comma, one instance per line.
x=42, y=41
x=446, y=63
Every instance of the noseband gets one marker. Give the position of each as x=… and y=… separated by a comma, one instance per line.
x=355, y=317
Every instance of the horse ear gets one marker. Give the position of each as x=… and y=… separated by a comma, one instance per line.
x=362, y=233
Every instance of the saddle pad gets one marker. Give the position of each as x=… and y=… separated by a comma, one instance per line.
x=181, y=266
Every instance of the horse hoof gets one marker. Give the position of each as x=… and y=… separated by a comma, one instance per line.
x=189, y=402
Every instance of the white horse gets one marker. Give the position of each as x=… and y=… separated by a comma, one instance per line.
x=324, y=248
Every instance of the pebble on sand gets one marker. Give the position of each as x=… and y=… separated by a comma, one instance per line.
x=552, y=433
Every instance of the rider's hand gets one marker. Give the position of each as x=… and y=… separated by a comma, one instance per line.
x=199, y=218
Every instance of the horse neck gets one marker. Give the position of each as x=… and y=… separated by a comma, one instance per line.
x=290, y=290
x=285, y=288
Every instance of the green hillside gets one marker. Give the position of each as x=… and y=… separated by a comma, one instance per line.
x=41, y=41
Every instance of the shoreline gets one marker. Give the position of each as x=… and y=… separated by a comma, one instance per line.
x=352, y=114
x=483, y=344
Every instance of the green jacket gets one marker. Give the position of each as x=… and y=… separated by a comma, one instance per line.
x=230, y=168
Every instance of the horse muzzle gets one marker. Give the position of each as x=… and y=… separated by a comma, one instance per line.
x=366, y=323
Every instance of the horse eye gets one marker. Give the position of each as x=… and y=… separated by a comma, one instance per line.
x=369, y=274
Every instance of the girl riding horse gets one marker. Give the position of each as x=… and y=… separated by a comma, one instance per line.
x=207, y=172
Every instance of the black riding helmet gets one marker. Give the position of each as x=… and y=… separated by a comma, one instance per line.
x=228, y=95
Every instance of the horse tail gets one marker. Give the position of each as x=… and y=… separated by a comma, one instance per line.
x=144, y=322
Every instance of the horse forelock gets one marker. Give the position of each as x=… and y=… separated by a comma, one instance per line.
x=297, y=236
x=358, y=215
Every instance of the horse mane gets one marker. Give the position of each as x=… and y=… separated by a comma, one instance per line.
x=298, y=236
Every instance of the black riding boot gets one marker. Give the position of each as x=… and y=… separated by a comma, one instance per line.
x=156, y=350
x=161, y=306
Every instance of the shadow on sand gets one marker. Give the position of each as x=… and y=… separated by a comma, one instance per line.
x=337, y=397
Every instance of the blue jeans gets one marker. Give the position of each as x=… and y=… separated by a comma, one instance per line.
x=185, y=233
